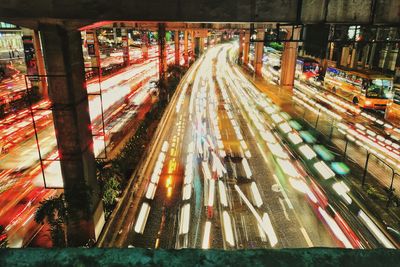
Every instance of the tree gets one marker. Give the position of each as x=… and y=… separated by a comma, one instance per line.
x=111, y=191
x=3, y=237
x=54, y=212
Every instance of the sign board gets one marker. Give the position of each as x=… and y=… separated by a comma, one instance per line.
x=90, y=37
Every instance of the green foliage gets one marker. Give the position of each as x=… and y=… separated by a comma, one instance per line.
x=276, y=46
x=3, y=237
x=374, y=193
x=72, y=206
x=111, y=192
x=54, y=212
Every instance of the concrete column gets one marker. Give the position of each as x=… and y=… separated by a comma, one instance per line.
x=40, y=64
x=193, y=40
x=289, y=57
x=201, y=45
x=162, y=52
x=241, y=41
x=373, y=49
x=177, y=48
x=259, y=52
x=65, y=67
x=185, y=48
x=331, y=49
x=145, y=46
x=125, y=47
x=94, y=51
x=115, y=34
x=246, y=47
x=344, y=59
x=364, y=57
x=354, y=57
x=397, y=67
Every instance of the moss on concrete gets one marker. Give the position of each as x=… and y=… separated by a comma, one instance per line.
x=192, y=257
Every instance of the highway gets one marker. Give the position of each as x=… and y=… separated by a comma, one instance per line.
x=355, y=131
x=232, y=167
x=126, y=98
x=231, y=170
x=220, y=178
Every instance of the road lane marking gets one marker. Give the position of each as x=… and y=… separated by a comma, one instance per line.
x=308, y=240
x=284, y=209
x=289, y=203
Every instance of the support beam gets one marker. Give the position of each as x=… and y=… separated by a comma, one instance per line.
x=201, y=45
x=301, y=12
x=125, y=47
x=162, y=52
x=344, y=58
x=193, y=46
x=354, y=56
x=145, y=46
x=66, y=75
x=241, y=42
x=40, y=65
x=186, y=48
x=289, y=57
x=177, y=48
x=246, y=48
x=259, y=52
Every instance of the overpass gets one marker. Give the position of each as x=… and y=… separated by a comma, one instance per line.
x=78, y=13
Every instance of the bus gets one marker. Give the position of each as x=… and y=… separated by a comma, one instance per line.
x=392, y=113
x=367, y=89
x=306, y=68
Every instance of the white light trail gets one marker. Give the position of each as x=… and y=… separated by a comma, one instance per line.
x=142, y=218
x=375, y=230
x=263, y=224
x=324, y=170
x=184, y=219
x=228, y=231
x=206, y=236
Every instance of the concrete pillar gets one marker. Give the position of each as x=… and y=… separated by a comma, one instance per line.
x=115, y=35
x=353, y=58
x=193, y=44
x=162, y=52
x=145, y=46
x=397, y=67
x=365, y=52
x=201, y=45
x=289, y=57
x=40, y=64
x=241, y=41
x=125, y=47
x=259, y=52
x=246, y=47
x=331, y=49
x=177, y=48
x=185, y=48
x=373, y=49
x=65, y=67
x=344, y=59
